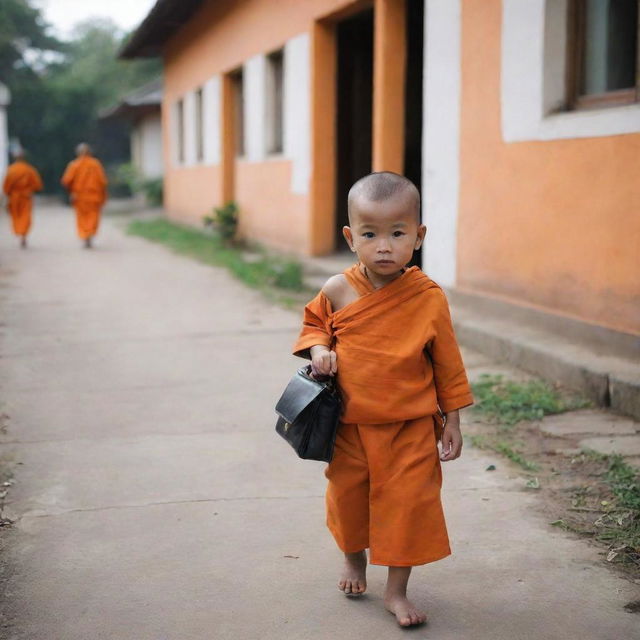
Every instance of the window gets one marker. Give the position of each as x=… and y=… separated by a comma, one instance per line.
x=603, y=53
x=237, y=81
x=199, y=127
x=275, y=80
x=180, y=131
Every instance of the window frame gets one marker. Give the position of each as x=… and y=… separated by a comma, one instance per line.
x=576, y=26
x=237, y=78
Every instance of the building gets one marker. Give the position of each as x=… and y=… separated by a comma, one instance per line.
x=142, y=109
x=520, y=121
x=5, y=99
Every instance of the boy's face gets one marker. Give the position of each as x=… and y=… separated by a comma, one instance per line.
x=384, y=234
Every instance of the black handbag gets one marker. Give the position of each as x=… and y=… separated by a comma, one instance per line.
x=308, y=415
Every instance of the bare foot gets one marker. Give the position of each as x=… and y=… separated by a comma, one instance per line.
x=354, y=576
x=404, y=610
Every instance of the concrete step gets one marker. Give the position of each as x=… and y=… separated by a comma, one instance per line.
x=603, y=365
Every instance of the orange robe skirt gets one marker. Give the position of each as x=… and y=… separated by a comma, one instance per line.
x=87, y=182
x=398, y=363
x=19, y=184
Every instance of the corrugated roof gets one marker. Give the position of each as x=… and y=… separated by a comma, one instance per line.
x=164, y=19
x=145, y=99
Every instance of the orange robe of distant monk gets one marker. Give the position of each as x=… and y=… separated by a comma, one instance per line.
x=86, y=181
x=398, y=361
x=19, y=184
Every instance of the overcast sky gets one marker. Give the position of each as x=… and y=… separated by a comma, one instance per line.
x=64, y=14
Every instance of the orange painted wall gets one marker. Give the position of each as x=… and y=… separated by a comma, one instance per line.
x=551, y=224
x=221, y=36
x=191, y=192
x=271, y=214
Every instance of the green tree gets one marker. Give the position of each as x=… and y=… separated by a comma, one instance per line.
x=23, y=38
x=56, y=103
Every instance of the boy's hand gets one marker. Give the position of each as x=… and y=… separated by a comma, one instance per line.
x=451, y=438
x=323, y=361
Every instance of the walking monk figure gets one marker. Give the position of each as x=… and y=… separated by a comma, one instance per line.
x=385, y=332
x=86, y=181
x=19, y=184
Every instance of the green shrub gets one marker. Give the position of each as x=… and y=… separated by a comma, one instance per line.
x=224, y=220
x=126, y=174
x=153, y=191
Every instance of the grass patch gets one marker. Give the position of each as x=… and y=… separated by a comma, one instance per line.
x=278, y=277
x=509, y=452
x=486, y=441
x=507, y=402
x=613, y=501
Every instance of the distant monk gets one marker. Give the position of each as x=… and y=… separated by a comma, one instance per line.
x=19, y=184
x=86, y=181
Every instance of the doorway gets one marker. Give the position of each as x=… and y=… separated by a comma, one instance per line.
x=413, y=100
x=354, y=97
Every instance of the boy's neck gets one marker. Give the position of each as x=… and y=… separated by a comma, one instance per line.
x=377, y=280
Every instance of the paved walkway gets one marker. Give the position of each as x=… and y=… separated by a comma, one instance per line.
x=154, y=502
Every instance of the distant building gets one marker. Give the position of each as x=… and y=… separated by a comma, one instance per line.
x=142, y=109
x=519, y=120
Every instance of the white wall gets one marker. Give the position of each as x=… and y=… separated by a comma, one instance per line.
x=441, y=138
x=147, y=146
x=211, y=120
x=297, y=111
x=254, y=78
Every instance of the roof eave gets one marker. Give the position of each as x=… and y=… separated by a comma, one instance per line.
x=165, y=18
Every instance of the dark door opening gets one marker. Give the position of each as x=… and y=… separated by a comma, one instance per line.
x=413, y=100
x=354, y=38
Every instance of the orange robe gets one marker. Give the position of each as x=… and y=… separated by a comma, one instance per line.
x=87, y=183
x=19, y=184
x=398, y=361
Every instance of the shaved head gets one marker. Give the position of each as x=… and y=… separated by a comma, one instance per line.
x=384, y=185
x=83, y=149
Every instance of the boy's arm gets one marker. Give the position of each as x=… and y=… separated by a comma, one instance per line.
x=315, y=327
x=452, y=387
x=451, y=437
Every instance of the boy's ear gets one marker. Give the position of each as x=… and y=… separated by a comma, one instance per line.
x=346, y=232
x=422, y=232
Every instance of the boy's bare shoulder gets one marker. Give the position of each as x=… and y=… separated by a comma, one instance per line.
x=335, y=285
x=336, y=288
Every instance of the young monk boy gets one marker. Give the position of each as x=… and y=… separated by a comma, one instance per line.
x=20, y=182
x=384, y=330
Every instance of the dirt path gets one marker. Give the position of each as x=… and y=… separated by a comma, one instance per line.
x=154, y=502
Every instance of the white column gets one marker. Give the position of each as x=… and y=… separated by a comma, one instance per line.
x=254, y=77
x=441, y=138
x=297, y=111
x=211, y=120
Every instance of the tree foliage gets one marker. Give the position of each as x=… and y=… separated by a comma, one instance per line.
x=22, y=30
x=57, y=97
